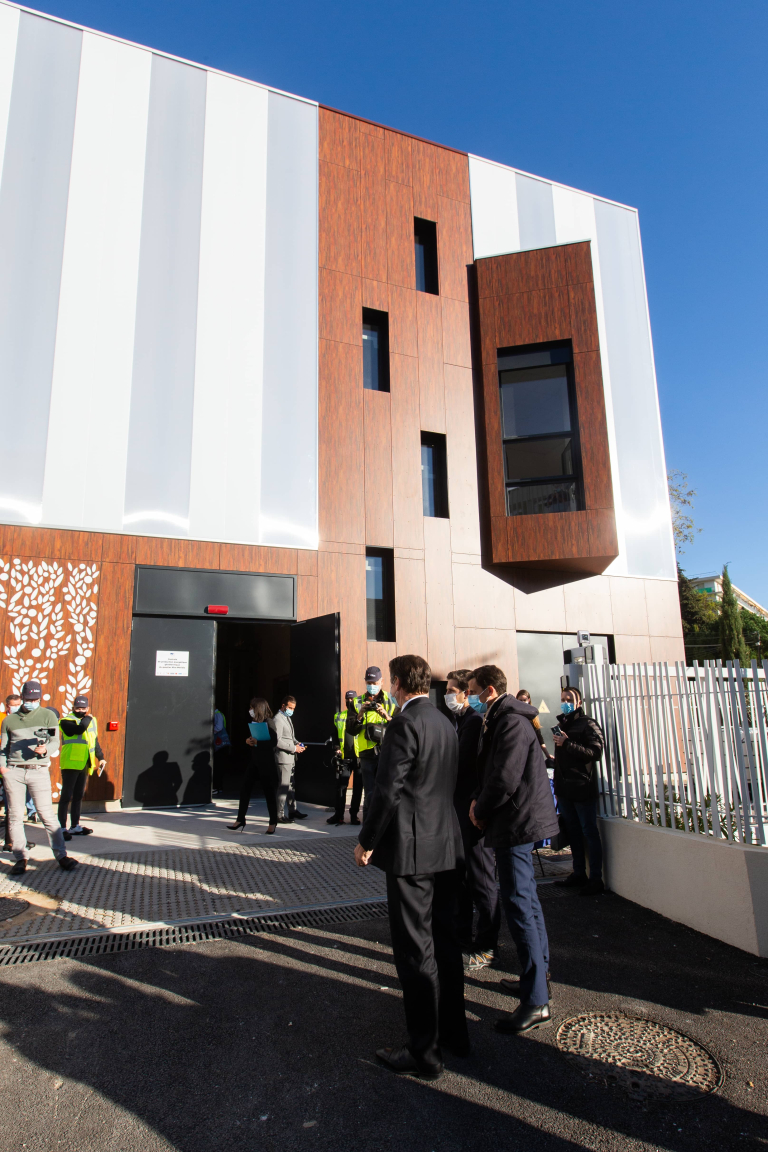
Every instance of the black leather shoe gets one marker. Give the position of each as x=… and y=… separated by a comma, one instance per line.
x=512, y=987
x=401, y=1061
x=575, y=880
x=19, y=868
x=335, y=820
x=67, y=863
x=354, y=820
x=285, y=819
x=300, y=815
x=523, y=1019
x=67, y=835
x=593, y=888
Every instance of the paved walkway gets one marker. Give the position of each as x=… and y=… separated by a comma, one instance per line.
x=169, y=867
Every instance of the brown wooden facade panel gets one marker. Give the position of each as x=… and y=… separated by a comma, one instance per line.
x=401, y=264
x=424, y=185
x=454, y=243
x=378, y=471
x=110, y=675
x=341, y=459
x=340, y=212
x=407, y=503
x=457, y=346
x=306, y=597
x=340, y=311
x=532, y=298
x=399, y=158
x=403, y=324
x=431, y=379
x=340, y=139
x=373, y=230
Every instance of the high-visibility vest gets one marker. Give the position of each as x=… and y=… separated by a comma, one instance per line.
x=78, y=751
x=340, y=720
x=370, y=716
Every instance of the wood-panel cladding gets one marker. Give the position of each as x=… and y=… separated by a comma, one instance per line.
x=370, y=443
x=533, y=298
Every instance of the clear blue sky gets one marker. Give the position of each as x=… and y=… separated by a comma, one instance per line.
x=654, y=103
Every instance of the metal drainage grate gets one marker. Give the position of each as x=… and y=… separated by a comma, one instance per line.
x=82, y=946
x=645, y=1059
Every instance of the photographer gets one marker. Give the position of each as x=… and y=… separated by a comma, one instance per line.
x=374, y=710
x=28, y=739
x=346, y=763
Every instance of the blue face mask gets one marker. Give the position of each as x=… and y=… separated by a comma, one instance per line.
x=568, y=708
x=475, y=702
x=372, y=689
x=289, y=711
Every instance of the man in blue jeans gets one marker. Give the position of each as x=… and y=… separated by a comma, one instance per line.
x=577, y=752
x=514, y=805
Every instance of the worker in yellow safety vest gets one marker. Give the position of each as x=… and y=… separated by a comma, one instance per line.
x=375, y=709
x=347, y=763
x=81, y=755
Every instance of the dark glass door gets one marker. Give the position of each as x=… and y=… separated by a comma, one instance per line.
x=315, y=681
x=169, y=727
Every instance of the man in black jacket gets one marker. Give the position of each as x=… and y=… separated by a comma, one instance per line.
x=515, y=808
x=477, y=879
x=410, y=831
x=576, y=754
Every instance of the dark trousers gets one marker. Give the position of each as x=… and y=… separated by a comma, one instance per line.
x=342, y=783
x=261, y=767
x=525, y=919
x=477, y=889
x=368, y=766
x=73, y=784
x=422, y=920
x=581, y=819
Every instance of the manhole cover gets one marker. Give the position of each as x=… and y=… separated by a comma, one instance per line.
x=643, y=1058
x=10, y=908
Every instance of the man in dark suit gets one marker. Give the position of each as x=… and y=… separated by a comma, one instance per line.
x=411, y=832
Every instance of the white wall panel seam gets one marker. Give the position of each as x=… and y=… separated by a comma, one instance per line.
x=227, y=432
x=97, y=304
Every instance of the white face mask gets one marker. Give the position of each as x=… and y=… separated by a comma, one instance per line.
x=14, y=708
x=251, y=713
x=31, y=705
x=452, y=703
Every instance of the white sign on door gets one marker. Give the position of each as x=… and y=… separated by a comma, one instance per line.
x=172, y=664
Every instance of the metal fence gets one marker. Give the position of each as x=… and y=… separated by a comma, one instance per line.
x=686, y=748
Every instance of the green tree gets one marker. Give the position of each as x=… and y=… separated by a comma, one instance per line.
x=755, y=631
x=697, y=609
x=680, y=500
x=732, y=644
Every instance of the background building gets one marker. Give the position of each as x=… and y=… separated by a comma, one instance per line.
x=366, y=393
x=713, y=586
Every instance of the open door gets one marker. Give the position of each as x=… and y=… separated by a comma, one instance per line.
x=315, y=681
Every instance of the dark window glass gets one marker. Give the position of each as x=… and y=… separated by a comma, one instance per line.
x=425, y=245
x=434, y=478
x=539, y=430
x=375, y=350
x=380, y=593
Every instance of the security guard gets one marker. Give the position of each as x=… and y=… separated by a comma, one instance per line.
x=347, y=763
x=81, y=755
x=374, y=709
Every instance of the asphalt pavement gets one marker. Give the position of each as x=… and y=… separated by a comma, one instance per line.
x=267, y=1042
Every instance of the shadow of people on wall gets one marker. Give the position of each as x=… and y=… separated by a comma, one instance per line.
x=198, y=789
x=158, y=786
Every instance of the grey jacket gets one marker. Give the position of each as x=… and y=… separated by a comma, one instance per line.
x=285, y=749
x=22, y=732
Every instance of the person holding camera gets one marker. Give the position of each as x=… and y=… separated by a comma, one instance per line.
x=579, y=745
x=346, y=763
x=375, y=709
x=28, y=739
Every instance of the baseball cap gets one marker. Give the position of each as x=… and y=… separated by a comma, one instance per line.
x=372, y=674
x=31, y=690
x=350, y=695
x=80, y=702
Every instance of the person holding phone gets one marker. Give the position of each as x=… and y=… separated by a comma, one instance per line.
x=28, y=739
x=286, y=751
x=261, y=764
x=81, y=756
x=578, y=747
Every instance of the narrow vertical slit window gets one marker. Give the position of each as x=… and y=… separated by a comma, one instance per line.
x=380, y=593
x=434, y=475
x=425, y=246
x=375, y=350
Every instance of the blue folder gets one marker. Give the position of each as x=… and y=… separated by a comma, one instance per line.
x=259, y=731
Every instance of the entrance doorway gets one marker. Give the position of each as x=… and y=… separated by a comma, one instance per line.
x=252, y=659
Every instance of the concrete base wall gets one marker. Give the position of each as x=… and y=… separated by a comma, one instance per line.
x=718, y=888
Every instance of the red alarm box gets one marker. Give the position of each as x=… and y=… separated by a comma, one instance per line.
x=217, y=609
x=112, y=726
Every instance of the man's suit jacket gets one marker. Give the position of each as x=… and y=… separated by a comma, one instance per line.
x=411, y=823
x=285, y=754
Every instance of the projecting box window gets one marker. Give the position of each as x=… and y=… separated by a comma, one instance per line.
x=425, y=244
x=434, y=474
x=375, y=350
x=539, y=428
x=380, y=593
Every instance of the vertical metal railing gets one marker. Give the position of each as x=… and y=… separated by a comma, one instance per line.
x=685, y=748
